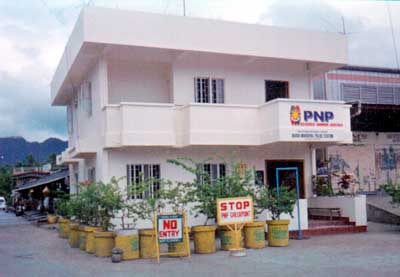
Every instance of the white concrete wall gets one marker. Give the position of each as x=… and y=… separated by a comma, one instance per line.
x=354, y=207
x=251, y=156
x=244, y=79
x=138, y=82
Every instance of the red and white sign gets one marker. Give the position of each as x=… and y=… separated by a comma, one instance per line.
x=170, y=228
x=234, y=210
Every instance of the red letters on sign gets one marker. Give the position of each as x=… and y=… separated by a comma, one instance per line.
x=170, y=224
x=238, y=205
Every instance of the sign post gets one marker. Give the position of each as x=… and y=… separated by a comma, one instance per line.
x=170, y=228
x=235, y=213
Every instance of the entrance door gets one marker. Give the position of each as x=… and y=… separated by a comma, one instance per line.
x=287, y=178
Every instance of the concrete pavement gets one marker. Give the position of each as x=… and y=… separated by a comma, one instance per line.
x=27, y=250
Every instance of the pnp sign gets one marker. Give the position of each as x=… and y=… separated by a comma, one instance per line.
x=234, y=210
x=170, y=228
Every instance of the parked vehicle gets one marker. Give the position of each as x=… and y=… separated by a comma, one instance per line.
x=3, y=204
x=19, y=210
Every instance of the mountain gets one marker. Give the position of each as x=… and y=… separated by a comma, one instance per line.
x=15, y=149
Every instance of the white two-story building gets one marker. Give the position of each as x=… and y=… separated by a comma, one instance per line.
x=141, y=88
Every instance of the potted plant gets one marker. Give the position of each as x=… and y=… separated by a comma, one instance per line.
x=277, y=202
x=176, y=196
x=145, y=209
x=61, y=208
x=75, y=212
x=127, y=238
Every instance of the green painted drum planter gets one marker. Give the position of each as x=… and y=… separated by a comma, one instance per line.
x=73, y=235
x=103, y=243
x=180, y=248
x=204, y=239
x=82, y=237
x=63, y=228
x=90, y=246
x=128, y=241
x=278, y=232
x=147, y=243
x=227, y=238
x=254, y=234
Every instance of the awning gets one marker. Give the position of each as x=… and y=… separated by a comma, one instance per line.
x=45, y=180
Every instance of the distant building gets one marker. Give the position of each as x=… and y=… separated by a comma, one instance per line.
x=22, y=175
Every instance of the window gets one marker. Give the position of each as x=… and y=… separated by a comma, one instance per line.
x=276, y=89
x=212, y=172
x=92, y=175
x=371, y=94
x=88, y=99
x=208, y=90
x=139, y=175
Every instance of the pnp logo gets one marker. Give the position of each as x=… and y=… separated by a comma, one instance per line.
x=295, y=115
x=315, y=116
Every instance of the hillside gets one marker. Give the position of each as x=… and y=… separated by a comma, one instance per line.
x=15, y=149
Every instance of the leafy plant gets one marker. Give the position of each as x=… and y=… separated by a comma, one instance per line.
x=393, y=190
x=275, y=201
x=204, y=192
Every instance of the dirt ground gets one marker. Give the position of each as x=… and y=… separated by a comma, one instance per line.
x=27, y=250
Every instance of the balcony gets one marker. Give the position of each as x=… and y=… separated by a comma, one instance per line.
x=280, y=120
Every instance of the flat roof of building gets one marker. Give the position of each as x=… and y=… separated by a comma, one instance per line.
x=98, y=30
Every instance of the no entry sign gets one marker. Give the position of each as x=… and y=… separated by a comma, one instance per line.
x=234, y=210
x=170, y=228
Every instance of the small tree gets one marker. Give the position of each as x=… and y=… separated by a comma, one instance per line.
x=275, y=201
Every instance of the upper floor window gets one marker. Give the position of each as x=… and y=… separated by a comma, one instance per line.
x=209, y=90
x=276, y=89
x=143, y=180
x=70, y=119
x=85, y=98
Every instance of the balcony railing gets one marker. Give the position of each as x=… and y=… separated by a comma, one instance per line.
x=280, y=120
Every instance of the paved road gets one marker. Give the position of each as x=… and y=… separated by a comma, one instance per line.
x=27, y=250
x=11, y=219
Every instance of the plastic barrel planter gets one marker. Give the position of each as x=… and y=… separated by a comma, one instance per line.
x=63, y=228
x=90, y=245
x=227, y=237
x=103, y=243
x=82, y=237
x=179, y=249
x=278, y=232
x=254, y=234
x=147, y=243
x=204, y=239
x=52, y=219
x=73, y=235
x=128, y=241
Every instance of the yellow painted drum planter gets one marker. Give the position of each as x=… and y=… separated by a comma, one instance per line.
x=63, y=228
x=90, y=245
x=82, y=237
x=147, y=242
x=228, y=240
x=52, y=219
x=254, y=234
x=103, y=243
x=73, y=235
x=278, y=232
x=128, y=241
x=180, y=248
x=204, y=239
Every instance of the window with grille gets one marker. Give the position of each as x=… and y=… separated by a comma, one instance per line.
x=211, y=172
x=276, y=89
x=143, y=180
x=209, y=90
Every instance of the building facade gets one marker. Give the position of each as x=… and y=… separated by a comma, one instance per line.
x=374, y=157
x=144, y=88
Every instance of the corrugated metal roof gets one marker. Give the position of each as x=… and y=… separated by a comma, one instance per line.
x=45, y=180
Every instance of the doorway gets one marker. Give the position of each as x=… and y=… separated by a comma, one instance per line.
x=287, y=178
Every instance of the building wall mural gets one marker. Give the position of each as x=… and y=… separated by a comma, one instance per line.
x=373, y=160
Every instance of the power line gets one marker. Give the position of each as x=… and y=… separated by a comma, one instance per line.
x=393, y=35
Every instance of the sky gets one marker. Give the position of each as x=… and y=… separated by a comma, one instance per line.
x=33, y=34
